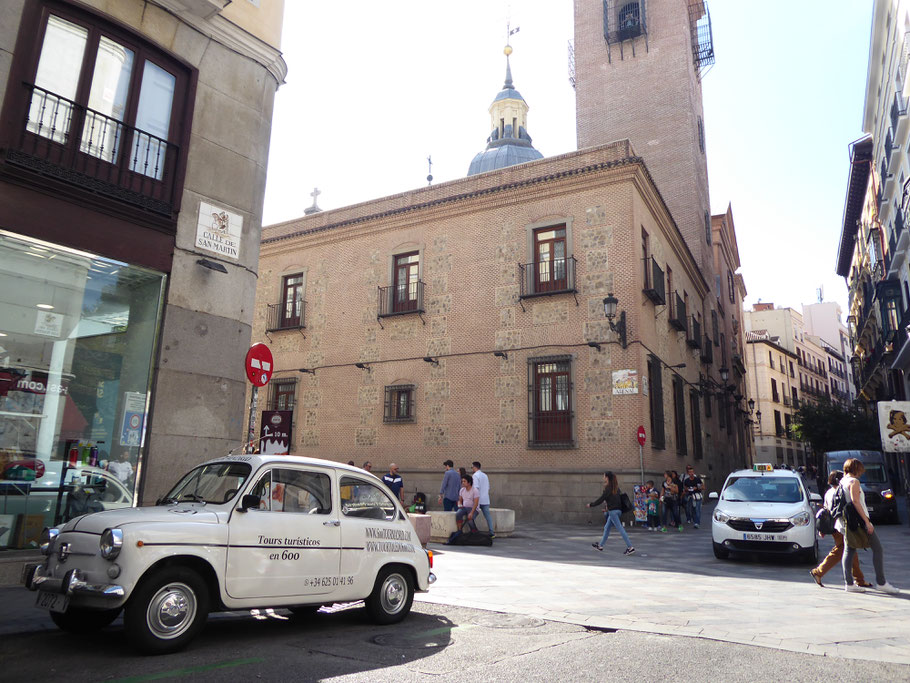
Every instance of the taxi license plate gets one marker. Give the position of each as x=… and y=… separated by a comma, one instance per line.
x=870, y=508
x=761, y=537
x=55, y=602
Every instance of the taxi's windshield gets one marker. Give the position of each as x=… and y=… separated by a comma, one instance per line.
x=215, y=483
x=874, y=474
x=767, y=489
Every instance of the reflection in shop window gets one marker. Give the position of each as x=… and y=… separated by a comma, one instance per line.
x=74, y=382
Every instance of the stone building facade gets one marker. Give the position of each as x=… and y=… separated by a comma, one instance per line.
x=134, y=137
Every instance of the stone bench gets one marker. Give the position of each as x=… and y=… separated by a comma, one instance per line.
x=443, y=523
x=422, y=525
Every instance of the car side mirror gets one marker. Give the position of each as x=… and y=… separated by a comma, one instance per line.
x=712, y=495
x=250, y=500
x=815, y=498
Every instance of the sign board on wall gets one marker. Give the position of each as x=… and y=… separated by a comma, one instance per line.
x=133, y=425
x=894, y=425
x=49, y=324
x=219, y=231
x=625, y=381
x=275, y=432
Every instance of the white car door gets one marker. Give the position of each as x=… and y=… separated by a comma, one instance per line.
x=291, y=546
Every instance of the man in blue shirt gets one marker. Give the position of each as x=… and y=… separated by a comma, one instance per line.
x=393, y=480
x=451, y=484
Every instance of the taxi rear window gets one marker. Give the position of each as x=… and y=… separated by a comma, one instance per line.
x=361, y=498
x=763, y=490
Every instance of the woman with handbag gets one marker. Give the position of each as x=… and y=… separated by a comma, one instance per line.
x=837, y=552
x=612, y=497
x=669, y=500
x=858, y=531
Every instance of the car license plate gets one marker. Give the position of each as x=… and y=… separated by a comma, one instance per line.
x=870, y=508
x=760, y=537
x=55, y=602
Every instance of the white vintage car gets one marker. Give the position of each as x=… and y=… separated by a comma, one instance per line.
x=238, y=532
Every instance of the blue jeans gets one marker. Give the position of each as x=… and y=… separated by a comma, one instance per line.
x=485, y=509
x=449, y=505
x=613, y=520
x=670, y=509
x=462, y=514
x=693, y=510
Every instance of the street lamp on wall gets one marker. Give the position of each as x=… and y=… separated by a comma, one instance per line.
x=610, y=304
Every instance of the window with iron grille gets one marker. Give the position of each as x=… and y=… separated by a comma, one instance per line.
x=679, y=412
x=715, y=328
x=399, y=403
x=283, y=394
x=550, y=416
x=696, y=423
x=655, y=379
x=707, y=227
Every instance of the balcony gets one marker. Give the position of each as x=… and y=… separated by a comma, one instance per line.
x=707, y=350
x=786, y=400
x=693, y=334
x=108, y=158
x=543, y=278
x=677, y=318
x=781, y=432
x=738, y=364
x=655, y=288
x=285, y=316
x=401, y=299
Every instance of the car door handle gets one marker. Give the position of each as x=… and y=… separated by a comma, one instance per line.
x=332, y=522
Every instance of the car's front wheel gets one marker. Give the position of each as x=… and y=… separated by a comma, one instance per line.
x=167, y=610
x=392, y=596
x=810, y=555
x=80, y=620
x=720, y=552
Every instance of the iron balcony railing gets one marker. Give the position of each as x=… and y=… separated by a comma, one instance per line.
x=693, y=334
x=63, y=140
x=655, y=287
x=555, y=276
x=287, y=316
x=677, y=312
x=401, y=299
x=707, y=350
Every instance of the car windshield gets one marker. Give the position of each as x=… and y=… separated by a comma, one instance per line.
x=215, y=483
x=874, y=474
x=750, y=489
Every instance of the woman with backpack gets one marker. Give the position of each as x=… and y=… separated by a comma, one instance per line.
x=858, y=531
x=612, y=496
x=837, y=552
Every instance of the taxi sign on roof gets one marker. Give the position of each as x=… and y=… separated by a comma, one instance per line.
x=762, y=467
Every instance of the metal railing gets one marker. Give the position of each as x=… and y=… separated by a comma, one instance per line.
x=401, y=299
x=693, y=334
x=285, y=316
x=541, y=278
x=677, y=312
x=66, y=141
x=550, y=429
x=655, y=287
x=707, y=350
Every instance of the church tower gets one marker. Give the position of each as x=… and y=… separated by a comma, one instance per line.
x=509, y=142
x=638, y=71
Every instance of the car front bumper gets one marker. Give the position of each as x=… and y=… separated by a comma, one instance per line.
x=72, y=583
x=792, y=540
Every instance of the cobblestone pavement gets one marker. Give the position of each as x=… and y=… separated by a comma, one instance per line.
x=673, y=584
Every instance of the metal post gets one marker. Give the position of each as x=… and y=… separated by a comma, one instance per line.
x=251, y=429
x=641, y=462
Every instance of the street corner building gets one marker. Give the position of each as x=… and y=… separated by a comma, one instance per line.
x=133, y=145
x=535, y=313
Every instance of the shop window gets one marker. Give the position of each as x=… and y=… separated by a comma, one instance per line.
x=550, y=402
x=399, y=403
x=74, y=383
x=102, y=108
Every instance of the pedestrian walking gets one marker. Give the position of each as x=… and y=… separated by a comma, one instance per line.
x=482, y=482
x=394, y=482
x=859, y=533
x=669, y=499
x=368, y=466
x=451, y=483
x=692, y=487
x=468, y=500
x=837, y=552
x=612, y=497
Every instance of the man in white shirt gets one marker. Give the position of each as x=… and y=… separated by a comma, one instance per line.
x=482, y=484
x=123, y=468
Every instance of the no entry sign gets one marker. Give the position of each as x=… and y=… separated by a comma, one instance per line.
x=259, y=364
x=641, y=435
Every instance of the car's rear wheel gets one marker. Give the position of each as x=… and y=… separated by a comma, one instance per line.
x=80, y=620
x=167, y=610
x=720, y=552
x=392, y=596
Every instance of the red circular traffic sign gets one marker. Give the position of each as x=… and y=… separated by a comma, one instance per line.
x=259, y=364
x=641, y=435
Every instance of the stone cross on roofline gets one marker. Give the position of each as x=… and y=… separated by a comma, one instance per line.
x=314, y=208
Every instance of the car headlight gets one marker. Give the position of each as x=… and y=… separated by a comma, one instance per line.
x=47, y=540
x=721, y=516
x=802, y=519
x=111, y=542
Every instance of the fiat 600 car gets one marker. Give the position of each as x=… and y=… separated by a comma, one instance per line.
x=238, y=532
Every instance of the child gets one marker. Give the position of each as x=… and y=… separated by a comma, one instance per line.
x=653, y=519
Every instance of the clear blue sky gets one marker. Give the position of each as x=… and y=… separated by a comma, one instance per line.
x=373, y=89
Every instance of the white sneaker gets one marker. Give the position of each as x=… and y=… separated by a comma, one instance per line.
x=887, y=588
x=853, y=588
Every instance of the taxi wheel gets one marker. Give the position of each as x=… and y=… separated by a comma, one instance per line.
x=167, y=610
x=810, y=556
x=720, y=552
x=78, y=620
x=392, y=595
